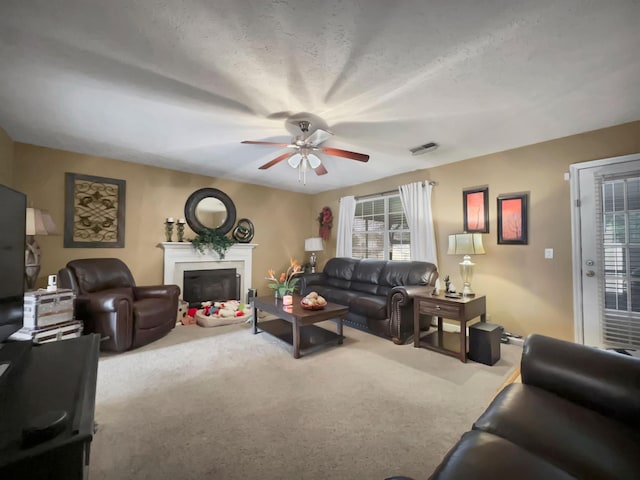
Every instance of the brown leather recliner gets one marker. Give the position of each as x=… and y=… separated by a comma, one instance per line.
x=109, y=303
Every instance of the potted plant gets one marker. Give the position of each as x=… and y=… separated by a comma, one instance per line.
x=286, y=283
x=213, y=239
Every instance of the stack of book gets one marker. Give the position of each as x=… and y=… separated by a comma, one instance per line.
x=48, y=316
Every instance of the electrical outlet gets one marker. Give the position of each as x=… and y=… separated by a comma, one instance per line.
x=548, y=253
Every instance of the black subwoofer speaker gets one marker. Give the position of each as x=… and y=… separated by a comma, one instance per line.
x=484, y=342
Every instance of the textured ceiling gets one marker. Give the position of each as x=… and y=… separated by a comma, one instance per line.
x=180, y=84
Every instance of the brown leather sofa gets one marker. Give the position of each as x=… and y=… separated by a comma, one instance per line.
x=379, y=293
x=576, y=414
x=109, y=303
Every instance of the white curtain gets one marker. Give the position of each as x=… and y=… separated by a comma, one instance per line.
x=416, y=202
x=345, y=226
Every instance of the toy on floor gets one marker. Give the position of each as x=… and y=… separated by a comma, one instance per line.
x=213, y=314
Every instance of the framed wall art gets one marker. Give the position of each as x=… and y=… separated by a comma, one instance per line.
x=475, y=210
x=513, y=219
x=94, y=212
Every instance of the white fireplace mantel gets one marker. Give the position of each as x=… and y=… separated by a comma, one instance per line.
x=180, y=257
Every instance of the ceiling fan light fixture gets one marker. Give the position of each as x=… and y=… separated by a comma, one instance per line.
x=314, y=161
x=294, y=160
x=305, y=146
x=427, y=147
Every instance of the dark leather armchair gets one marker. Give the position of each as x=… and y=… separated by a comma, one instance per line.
x=576, y=414
x=109, y=303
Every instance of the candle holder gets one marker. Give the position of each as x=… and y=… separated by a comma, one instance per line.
x=180, y=231
x=168, y=230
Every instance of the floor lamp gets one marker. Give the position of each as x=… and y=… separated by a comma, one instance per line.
x=39, y=222
x=313, y=245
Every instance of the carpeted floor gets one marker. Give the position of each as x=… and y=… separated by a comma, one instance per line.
x=222, y=403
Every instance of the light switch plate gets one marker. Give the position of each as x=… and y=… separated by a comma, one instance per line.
x=548, y=253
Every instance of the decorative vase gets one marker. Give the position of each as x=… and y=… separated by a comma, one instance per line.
x=287, y=299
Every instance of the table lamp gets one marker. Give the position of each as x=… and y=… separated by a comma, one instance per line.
x=39, y=222
x=313, y=245
x=466, y=244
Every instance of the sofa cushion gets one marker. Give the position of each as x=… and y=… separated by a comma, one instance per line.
x=97, y=274
x=339, y=271
x=580, y=441
x=150, y=312
x=397, y=273
x=370, y=306
x=480, y=455
x=366, y=276
x=335, y=295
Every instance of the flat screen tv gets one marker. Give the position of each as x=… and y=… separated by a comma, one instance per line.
x=13, y=207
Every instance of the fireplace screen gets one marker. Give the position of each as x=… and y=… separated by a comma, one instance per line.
x=210, y=285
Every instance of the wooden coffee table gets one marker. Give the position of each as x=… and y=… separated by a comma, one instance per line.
x=295, y=325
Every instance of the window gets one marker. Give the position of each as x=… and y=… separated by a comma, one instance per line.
x=620, y=224
x=380, y=229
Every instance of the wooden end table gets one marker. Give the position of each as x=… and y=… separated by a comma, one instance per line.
x=295, y=325
x=459, y=309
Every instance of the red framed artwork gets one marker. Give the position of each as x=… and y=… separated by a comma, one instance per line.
x=475, y=207
x=512, y=219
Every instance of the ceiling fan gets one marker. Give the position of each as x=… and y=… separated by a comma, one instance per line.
x=303, y=156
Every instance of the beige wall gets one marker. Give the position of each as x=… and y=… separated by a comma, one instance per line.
x=152, y=194
x=525, y=292
x=6, y=158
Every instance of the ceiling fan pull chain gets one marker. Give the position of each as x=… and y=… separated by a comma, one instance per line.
x=303, y=166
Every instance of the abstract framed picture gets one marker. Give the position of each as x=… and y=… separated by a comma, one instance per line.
x=512, y=219
x=475, y=210
x=94, y=212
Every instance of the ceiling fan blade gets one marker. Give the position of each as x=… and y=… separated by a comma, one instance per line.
x=317, y=137
x=266, y=143
x=314, y=161
x=321, y=170
x=294, y=160
x=284, y=156
x=361, y=157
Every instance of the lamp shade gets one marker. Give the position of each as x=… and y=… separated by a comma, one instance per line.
x=465, y=244
x=313, y=244
x=40, y=222
x=49, y=224
x=35, y=224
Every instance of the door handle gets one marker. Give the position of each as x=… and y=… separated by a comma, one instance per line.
x=590, y=273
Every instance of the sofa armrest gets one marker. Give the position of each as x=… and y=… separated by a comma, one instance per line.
x=407, y=292
x=604, y=381
x=309, y=279
x=100, y=302
x=110, y=314
x=157, y=291
x=400, y=309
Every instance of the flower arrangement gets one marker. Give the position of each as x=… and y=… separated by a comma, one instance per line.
x=325, y=219
x=286, y=282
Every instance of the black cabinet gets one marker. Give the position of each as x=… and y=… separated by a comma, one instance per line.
x=47, y=403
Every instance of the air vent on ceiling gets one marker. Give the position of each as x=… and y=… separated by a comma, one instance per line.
x=427, y=147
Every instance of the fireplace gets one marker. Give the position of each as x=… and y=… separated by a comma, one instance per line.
x=210, y=285
x=180, y=257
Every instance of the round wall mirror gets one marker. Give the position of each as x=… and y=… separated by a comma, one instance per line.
x=210, y=208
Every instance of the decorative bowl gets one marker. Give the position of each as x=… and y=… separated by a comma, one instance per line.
x=311, y=307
